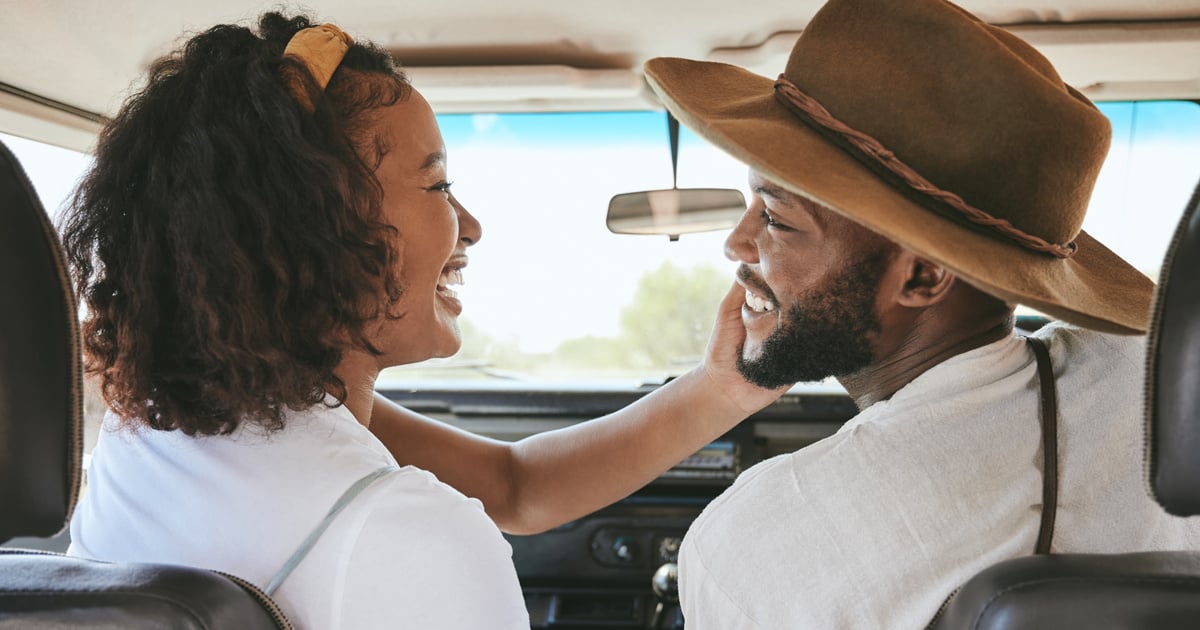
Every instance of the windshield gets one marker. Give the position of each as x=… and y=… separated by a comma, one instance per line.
x=552, y=298
x=550, y=293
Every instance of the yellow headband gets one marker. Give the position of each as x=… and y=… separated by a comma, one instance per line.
x=321, y=48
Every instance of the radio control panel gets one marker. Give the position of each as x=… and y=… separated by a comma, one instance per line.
x=719, y=461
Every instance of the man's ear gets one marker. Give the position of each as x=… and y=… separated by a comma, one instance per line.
x=925, y=282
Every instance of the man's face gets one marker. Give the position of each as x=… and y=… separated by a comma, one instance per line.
x=811, y=280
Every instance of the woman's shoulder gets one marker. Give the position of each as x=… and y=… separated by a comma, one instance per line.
x=408, y=515
x=419, y=498
x=415, y=537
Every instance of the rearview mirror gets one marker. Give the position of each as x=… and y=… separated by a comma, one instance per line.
x=675, y=211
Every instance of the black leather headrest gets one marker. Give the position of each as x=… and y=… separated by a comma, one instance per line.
x=1173, y=372
x=53, y=592
x=41, y=438
x=1154, y=589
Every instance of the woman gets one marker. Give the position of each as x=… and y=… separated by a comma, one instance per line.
x=269, y=224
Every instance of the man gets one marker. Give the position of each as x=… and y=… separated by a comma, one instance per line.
x=915, y=173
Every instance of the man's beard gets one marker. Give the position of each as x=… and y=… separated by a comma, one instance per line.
x=826, y=333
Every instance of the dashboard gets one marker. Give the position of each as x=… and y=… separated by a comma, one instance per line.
x=615, y=568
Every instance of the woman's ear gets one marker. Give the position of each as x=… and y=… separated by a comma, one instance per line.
x=925, y=282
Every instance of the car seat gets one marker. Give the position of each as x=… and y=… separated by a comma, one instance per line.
x=1150, y=590
x=41, y=443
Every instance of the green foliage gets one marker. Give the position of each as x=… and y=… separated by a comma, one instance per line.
x=480, y=347
x=663, y=331
x=593, y=352
x=672, y=314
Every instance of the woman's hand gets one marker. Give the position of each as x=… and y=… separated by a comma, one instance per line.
x=724, y=348
x=550, y=478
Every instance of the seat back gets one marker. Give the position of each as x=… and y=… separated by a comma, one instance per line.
x=1152, y=590
x=1173, y=373
x=41, y=447
x=41, y=397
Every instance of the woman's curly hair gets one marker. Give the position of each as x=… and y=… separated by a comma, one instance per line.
x=228, y=243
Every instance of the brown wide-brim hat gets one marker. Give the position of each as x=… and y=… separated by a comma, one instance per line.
x=970, y=108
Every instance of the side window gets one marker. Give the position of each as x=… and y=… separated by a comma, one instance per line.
x=1151, y=171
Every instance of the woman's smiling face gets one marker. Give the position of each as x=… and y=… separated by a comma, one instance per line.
x=434, y=233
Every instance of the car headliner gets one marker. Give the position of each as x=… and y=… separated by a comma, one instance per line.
x=66, y=66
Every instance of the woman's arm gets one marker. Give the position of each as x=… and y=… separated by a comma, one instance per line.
x=553, y=477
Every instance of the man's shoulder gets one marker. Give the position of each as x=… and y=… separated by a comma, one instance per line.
x=770, y=497
x=1076, y=345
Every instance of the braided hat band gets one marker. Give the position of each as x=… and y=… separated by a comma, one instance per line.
x=811, y=110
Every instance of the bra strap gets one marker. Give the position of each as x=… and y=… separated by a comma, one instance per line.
x=306, y=546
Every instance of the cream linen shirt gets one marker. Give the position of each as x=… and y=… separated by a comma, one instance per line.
x=409, y=552
x=874, y=526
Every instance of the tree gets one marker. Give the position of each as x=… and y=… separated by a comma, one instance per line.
x=672, y=313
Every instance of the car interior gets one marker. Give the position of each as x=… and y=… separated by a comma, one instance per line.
x=521, y=88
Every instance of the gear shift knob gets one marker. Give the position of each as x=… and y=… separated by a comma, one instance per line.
x=666, y=582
